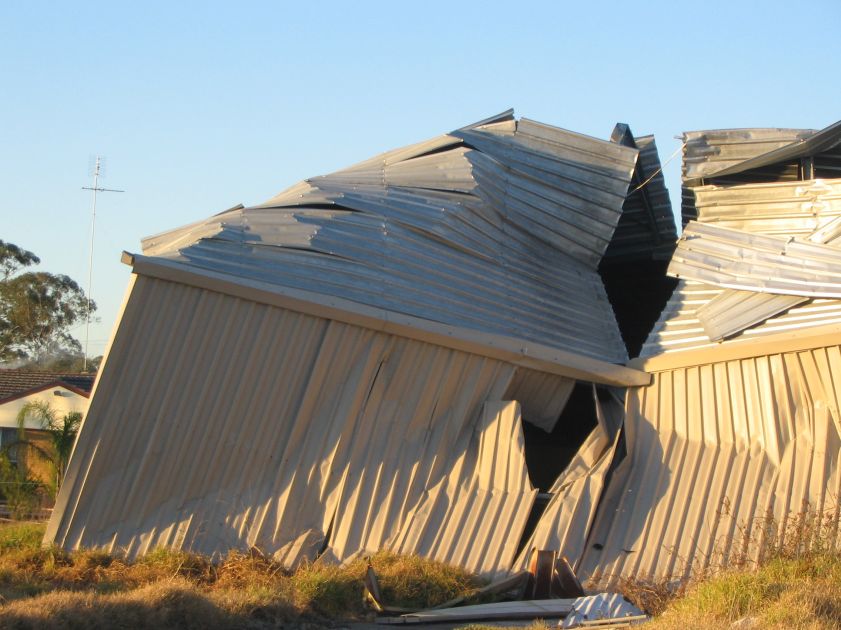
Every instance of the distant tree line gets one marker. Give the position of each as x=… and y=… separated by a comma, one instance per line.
x=38, y=310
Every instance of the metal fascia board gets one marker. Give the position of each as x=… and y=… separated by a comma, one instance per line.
x=803, y=339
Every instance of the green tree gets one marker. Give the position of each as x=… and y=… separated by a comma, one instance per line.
x=37, y=309
x=61, y=431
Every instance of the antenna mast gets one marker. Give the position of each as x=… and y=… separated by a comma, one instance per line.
x=94, y=189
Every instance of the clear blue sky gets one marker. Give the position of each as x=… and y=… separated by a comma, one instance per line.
x=200, y=106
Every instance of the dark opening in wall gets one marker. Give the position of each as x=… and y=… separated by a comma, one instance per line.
x=548, y=454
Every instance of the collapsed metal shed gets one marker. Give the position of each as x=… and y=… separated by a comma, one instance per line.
x=347, y=367
x=428, y=352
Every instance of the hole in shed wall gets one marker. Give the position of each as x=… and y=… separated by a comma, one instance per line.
x=549, y=453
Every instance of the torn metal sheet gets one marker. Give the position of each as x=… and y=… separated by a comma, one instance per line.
x=610, y=608
x=543, y=396
x=769, y=264
x=646, y=229
x=569, y=515
x=791, y=208
x=712, y=151
x=813, y=144
x=700, y=314
x=733, y=311
x=679, y=327
x=529, y=609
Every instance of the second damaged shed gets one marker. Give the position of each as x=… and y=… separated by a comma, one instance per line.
x=347, y=367
x=734, y=449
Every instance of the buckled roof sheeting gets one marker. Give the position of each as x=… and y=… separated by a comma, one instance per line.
x=646, y=229
x=696, y=315
x=497, y=227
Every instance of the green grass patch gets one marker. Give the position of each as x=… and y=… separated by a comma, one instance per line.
x=802, y=592
x=17, y=536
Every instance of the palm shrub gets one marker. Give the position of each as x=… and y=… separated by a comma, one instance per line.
x=61, y=431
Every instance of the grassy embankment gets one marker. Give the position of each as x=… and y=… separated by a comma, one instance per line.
x=48, y=588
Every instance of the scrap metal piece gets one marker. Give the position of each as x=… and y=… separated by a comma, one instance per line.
x=564, y=581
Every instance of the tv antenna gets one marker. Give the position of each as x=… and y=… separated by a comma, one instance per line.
x=97, y=171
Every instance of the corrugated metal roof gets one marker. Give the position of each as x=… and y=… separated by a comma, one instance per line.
x=679, y=327
x=733, y=311
x=705, y=152
x=783, y=208
x=770, y=264
x=719, y=456
x=698, y=314
x=496, y=228
x=223, y=423
x=805, y=145
x=713, y=151
x=646, y=229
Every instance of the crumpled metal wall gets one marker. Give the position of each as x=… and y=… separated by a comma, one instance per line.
x=566, y=521
x=713, y=452
x=310, y=420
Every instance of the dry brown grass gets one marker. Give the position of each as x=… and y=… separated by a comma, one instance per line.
x=49, y=588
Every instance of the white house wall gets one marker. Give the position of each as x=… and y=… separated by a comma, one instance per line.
x=223, y=423
x=64, y=402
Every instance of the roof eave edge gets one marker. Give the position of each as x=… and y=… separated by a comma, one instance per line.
x=521, y=353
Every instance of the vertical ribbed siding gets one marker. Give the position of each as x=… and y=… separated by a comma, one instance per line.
x=485, y=496
x=714, y=450
x=222, y=423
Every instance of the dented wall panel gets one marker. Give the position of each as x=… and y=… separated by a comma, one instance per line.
x=713, y=452
x=222, y=423
x=485, y=496
x=576, y=494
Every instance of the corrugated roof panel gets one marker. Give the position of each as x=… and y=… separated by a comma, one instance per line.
x=785, y=208
x=646, y=229
x=811, y=145
x=706, y=152
x=718, y=457
x=500, y=238
x=740, y=260
x=679, y=327
x=733, y=311
x=804, y=209
x=711, y=151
